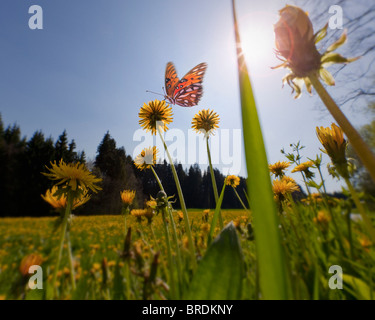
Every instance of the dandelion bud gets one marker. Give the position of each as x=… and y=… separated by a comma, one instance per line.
x=335, y=146
x=295, y=41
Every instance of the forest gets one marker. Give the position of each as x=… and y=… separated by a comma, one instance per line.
x=21, y=183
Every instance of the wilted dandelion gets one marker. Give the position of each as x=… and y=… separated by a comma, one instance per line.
x=155, y=115
x=296, y=47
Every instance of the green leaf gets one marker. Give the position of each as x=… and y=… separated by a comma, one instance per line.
x=118, y=285
x=220, y=273
x=313, y=184
x=273, y=276
x=35, y=294
x=359, y=288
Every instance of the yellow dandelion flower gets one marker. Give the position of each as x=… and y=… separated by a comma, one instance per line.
x=74, y=175
x=365, y=243
x=138, y=213
x=278, y=168
x=156, y=114
x=146, y=159
x=59, y=203
x=233, y=181
x=127, y=197
x=180, y=215
x=205, y=121
x=282, y=187
x=304, y=167
x=151, y=204
x=288, y=179
x=335, y=146
x=205, y=227
x=323, y=220
x=28, y=261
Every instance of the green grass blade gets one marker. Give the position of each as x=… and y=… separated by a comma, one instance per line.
x=271, y=259
x=220, y=274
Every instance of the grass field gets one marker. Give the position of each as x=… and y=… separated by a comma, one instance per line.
x=108, y=267
x=97, y=245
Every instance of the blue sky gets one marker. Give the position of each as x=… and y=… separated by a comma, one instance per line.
x=89, y=68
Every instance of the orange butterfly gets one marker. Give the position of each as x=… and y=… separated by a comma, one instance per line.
x=187, y=91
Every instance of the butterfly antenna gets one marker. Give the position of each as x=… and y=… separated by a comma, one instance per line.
x=155, y=93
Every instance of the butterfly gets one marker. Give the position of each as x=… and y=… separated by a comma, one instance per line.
x=187, y=91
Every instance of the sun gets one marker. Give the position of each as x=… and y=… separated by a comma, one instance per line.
x=258, y=41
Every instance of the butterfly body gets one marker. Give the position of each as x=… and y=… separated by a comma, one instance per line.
x=187, y=91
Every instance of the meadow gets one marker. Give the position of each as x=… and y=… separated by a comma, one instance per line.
x=107, y=266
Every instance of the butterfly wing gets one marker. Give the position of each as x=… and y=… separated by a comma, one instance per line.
x=189, y=90
x=171, y=80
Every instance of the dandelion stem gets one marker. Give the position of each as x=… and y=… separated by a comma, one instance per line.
x=359, y=145
x=61, y=242
x=321, y=177
x=157, y=179
x=174, y=232
x=182, y=202
x=214, y=186
x=70, y=257
x=169, y=252
x=366, y=220
x=238, y=196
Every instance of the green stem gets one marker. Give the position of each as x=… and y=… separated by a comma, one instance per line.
x=321, y=177
x=157, y=179
x=174, y=232
x=238, y=196
x=214, y=186
x=359, y=145
x=182, y=202
x=70, y=257
x=307, y=187
x=366, y=220
x=349, y=223
x=153, y=236
x=169, y=252
x=61, y=242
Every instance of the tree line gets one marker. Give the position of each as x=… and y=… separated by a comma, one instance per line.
x=21, y=181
